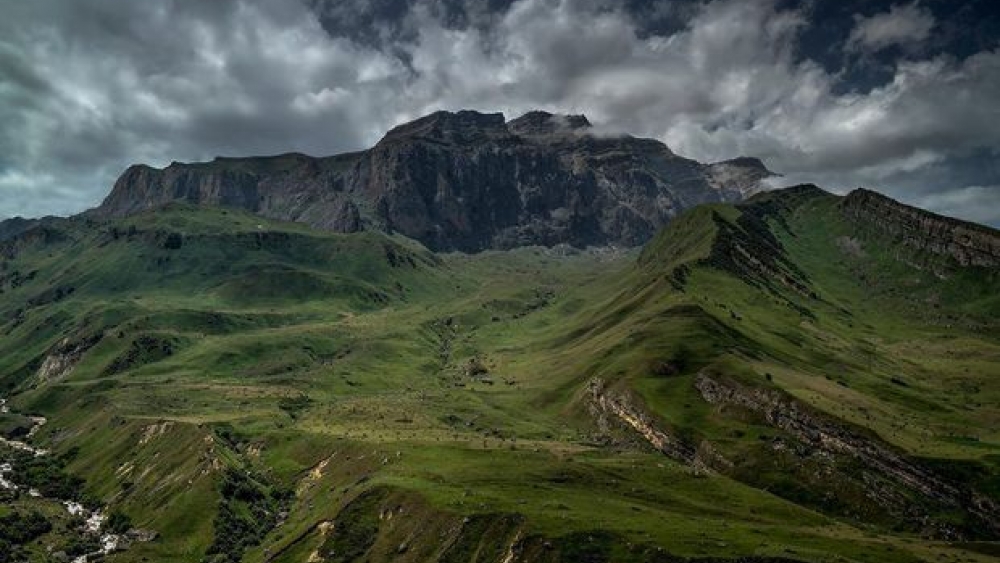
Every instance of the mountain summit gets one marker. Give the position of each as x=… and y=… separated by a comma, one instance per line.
x=463, y=180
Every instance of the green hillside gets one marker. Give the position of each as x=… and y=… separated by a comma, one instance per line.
x=771, y=381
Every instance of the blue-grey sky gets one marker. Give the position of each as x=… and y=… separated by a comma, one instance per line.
x=902, y=97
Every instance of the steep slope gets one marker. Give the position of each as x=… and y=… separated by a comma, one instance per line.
x=462, y=181
x=952, y=240
x=802, y=313
x=14, y=226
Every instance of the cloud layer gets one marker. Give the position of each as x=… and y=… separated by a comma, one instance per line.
x=901, y=25
x=90, y=86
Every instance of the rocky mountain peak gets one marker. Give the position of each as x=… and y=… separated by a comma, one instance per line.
x=536, y=123
x=747, y=162
x=459, y=127
x=462, y=180
x=744, y=174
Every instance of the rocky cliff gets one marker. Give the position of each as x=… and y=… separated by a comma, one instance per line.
x=11, y=228
x=968, y=244
x=462, y=181
x=884, y=470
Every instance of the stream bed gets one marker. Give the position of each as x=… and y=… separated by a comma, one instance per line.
x=94, y=520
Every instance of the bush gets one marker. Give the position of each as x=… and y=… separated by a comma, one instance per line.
x=45, y=473
x=19, y=529
x=247, y=512
x=119, y=522
x=294, y=405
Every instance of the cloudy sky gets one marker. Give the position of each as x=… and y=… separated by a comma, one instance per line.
x=903, y=97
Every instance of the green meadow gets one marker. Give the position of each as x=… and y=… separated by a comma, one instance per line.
x=260, y=391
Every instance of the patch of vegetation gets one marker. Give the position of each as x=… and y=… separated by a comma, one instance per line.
x=144, y=349
x=81, y=544
x=355, y=529
x=118, y=522
x=294, y=405
x=248, y=510
x=586, y=547
x=16, y=530
x=46, y=474
x=14, y=426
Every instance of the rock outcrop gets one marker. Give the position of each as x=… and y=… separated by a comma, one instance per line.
x=10, y=228
x=607, y=405
x=462, y=181
x=64, y=356
x=833, y=439
x=968, y=244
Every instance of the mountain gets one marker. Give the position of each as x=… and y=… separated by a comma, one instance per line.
x=462, y=181
x=796, y=377
x=830, y=324
x=10, y=228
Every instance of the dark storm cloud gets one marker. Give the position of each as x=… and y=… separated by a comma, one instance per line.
x=888, y=95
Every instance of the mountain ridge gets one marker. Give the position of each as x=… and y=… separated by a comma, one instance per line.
x=967, y=242
x=462, y=180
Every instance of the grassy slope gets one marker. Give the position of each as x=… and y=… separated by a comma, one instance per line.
x=378, y=335
x=873, y=341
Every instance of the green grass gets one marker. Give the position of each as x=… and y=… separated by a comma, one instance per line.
x=335, y=365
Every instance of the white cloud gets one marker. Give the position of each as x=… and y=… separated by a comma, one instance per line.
x=901, y=25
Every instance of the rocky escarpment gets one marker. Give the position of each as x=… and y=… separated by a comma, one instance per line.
x=968, y=244
x=462, y=181
x=848, y=472
x=611, y=406
x=607, y=405
x=882, y=469
x=290, y=186
x=743, y=174
x=10, y=228
x=64, y=356
x=747, y=247
x=35, y=233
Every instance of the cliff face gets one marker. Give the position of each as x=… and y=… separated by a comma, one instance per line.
x=13, y=227
x=463, y=181
x=292, y=186
x=840, y=458
x=967, y=244
x=883, y=470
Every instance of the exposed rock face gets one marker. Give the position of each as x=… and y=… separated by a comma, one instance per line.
x=289, y=186
x=826, y=435
x=463, y=181
x=605, y=403
x=10, y=228
x=609, y=406
x=968, y=244
x=743, y=174
x=17, y=233
x=64, y=357
x=891, y=480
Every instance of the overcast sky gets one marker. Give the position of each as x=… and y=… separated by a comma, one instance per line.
x=902, y=97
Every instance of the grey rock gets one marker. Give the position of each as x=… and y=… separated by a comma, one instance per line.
x=968, y=244
x=465, y=181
